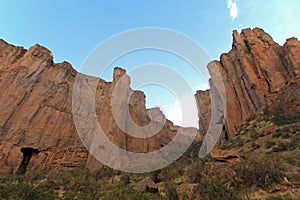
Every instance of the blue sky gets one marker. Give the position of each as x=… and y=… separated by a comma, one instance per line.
x=72, y=29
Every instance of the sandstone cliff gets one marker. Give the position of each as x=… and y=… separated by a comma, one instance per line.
x=258, y=75
x=37, y=130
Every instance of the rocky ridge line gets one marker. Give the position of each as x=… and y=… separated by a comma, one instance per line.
x=36, y=114
x=258, y=75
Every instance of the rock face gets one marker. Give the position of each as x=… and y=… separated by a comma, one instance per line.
x=37, y=130
x=204, y=110
x=258, y=74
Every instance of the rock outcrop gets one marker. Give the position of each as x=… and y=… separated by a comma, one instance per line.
x=224, y=156
x=258, y=75
x=146, y=185
x=37, y=131
x=204, y=110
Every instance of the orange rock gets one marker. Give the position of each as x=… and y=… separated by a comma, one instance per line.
x=36, y=112
x=258, y=74
x=146, y=185
x=224, y=155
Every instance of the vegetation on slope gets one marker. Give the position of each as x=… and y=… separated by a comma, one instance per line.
x=269, y=168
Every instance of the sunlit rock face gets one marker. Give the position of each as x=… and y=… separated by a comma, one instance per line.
x=36, y=113
x=37, y=129
x=258, y=74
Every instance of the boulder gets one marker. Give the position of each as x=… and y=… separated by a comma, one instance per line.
x=224, y=156
x=146, y=185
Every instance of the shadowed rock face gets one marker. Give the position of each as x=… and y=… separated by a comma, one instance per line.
x=36, y=113
x=258, y=74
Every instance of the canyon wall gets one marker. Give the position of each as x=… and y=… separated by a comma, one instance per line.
x=258, y=75
x=37, y=131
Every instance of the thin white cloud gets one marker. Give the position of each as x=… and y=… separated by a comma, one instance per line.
x=232, y=5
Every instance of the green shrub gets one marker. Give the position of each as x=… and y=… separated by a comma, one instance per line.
x=240, y=144
x=254, y=136
x=286, y=135
x=170, y=172
x=172, y=192
x=278, y=134
x=279, y=119
x=194, y=171
x=104, y=172
x=282, y=197
x=255, y=146
x=294, y=143
x=269, y=144
x=210, y=189
x=85, y=193
x=260, y=171
x=280, y=147
x=129, y=194
x=23, y=191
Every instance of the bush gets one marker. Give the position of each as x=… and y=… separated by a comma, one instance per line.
x=294, y=143
x=269, y=144
x=214, y=190
x=260, y=171
x=172, y=192
x=104, y=172
x=170, y=172
x=194, y=171
x=280, y=147
x=254, y=136
x=278, y=134
x=23, y=191
x=254, y=146
x=285, y=197
x=129, y=194
x=279, y=119
x=85, y=193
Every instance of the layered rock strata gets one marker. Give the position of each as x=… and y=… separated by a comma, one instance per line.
x=37, y=130
x=258, y=75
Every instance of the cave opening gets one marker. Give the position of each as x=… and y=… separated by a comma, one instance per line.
x=225, y=131
x=27, y=154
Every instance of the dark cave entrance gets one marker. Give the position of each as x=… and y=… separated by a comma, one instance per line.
x=27, y=154
x=227, y=136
